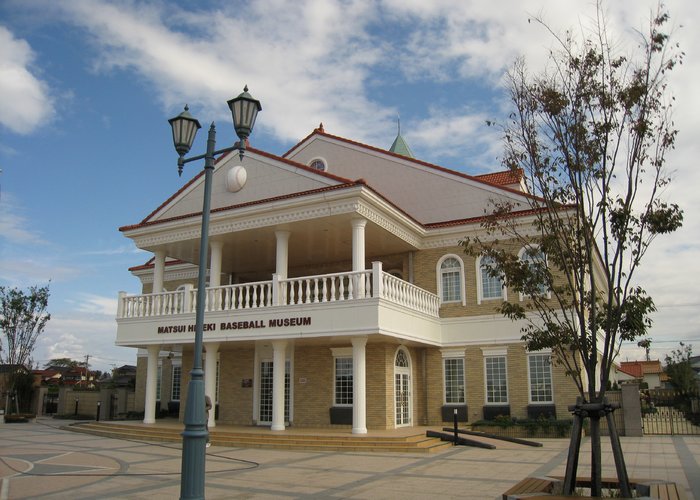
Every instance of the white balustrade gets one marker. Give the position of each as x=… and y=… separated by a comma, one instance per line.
x=336, y=287
x=152, y=304
x=407, y=294
x=327, y=288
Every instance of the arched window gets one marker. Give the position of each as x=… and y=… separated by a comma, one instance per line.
x=488, y=286
x=450, y=274
x=401, y=359
x=536, y=259
x=319, y=164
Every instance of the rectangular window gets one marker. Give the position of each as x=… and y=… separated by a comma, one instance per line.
x=540, y=369
x=491, y=286
x=451, y=290
x=159, y=381
x=496, y=380
x=216, y=396
x=175, y=393
x=343, y=382
x=454, y=381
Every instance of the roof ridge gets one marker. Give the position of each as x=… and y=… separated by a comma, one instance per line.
x=475, y=178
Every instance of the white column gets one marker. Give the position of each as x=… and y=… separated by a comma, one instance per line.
x=377, y=280
x=279, y=356
x=358, y=244
x=217, y=248
x=359, y=382
x=282, y=253
x=149, y=413
x=282, y=263
x=121, y=312
x=358, y=255
x=158, y=271
x=215, y=273
x=212, y=349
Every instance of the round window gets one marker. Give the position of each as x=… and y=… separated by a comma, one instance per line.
x=318, y=164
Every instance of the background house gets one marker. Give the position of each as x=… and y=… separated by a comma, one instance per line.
x=649, y=374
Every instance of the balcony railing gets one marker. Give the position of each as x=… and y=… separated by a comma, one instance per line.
x=336, y=287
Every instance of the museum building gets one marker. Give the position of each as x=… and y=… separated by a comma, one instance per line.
x=336, y=279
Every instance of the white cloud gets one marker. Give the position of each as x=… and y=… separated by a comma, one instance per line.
x=309, y=62
x=458, y=133
x=26, y=102
x=77, y=334
x=97, y=305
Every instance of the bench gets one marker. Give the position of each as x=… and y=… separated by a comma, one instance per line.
x=550, y=488
x=531, y=486
x=661, y=490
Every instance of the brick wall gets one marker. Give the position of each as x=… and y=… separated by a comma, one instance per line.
x=313, y=386
x=235, y=400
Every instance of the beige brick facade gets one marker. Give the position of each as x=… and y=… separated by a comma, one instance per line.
x=312, y=377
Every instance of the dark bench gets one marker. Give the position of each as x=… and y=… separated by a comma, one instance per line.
x=662, y=490
x=550, y=488
x=528, y=487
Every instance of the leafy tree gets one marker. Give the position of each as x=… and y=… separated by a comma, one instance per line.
x=646, y=345
x=66, y=362
x=23, y=318
x=589, y=135
x=680, y=370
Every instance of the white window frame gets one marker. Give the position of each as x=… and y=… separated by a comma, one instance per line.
x=521, y=255
x=531, y=355
x=445, y=359
x=159, y=380
x=179, y=383
x=496, y=353
x=218, y=378
x=341, y=353
x=480, y=285
x=462, y=287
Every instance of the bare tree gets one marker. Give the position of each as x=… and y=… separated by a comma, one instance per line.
x=589, y=135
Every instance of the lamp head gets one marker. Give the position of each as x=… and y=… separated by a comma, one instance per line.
x=184, y=131
x=244, y=110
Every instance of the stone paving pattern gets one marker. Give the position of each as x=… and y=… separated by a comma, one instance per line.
x=55, y=463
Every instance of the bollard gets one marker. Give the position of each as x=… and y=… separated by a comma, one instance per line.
x=76, y=407
x=97, y=417
x=455, y=423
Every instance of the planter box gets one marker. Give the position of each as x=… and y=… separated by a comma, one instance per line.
x=519, y=431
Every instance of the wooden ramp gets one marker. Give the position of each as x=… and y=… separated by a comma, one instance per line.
x=297, y=439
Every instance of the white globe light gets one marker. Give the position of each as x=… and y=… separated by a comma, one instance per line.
x=236, y=178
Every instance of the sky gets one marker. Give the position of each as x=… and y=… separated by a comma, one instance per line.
x=87, y=86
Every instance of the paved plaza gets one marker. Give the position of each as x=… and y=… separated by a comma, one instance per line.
x=40, y=460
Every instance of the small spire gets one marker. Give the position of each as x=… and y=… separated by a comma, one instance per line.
x=400, y=146
x=320, y=127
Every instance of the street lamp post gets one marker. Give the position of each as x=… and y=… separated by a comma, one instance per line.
x=244, y=110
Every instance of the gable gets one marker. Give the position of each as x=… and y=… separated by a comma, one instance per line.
x=427, y=192
x=267, y=177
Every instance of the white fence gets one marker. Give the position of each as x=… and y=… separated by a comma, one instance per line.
x=336, y=287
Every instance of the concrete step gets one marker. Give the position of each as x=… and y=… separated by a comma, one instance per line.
x=416, y=443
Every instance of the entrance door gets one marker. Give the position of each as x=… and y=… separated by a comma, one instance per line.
x=266, y=371
x=402, y=388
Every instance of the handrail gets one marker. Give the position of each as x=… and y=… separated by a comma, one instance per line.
x=333, y=287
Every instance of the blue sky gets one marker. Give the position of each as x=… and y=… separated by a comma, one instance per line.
x=86, y=88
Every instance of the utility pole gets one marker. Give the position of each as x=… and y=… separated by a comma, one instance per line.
x=87, y=370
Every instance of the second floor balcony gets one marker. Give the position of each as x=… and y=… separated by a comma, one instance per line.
x=360, y=295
